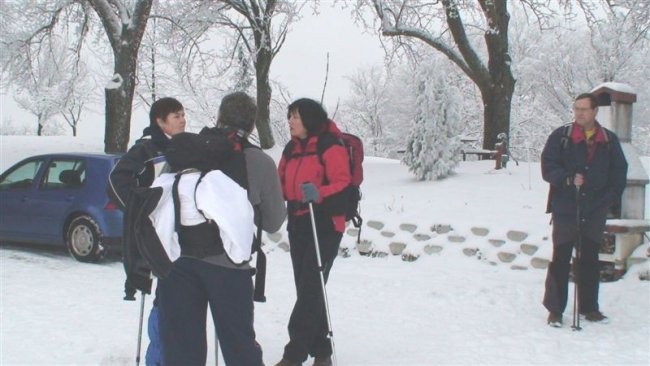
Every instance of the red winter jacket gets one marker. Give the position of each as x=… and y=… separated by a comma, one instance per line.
x=302, y=164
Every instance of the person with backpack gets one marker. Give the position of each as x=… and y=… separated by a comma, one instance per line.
x=138, y=168
x=584, y=164
x=215, y=171
x=315, y=169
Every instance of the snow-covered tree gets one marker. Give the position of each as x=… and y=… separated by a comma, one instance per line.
x=33, y=23
x=455, y=28
x=433, y=146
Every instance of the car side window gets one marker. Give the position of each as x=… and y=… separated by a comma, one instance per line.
x=22, y=176
x=64, y=173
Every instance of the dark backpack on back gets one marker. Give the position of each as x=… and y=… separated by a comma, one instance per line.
x=211, y=149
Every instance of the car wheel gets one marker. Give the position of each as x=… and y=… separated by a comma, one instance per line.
x=84, y=239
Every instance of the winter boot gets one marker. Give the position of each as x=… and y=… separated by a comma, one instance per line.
x=323, y=361
x=596, y=317
x=554, y=320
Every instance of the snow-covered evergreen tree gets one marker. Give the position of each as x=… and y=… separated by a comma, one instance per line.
x=433, y=146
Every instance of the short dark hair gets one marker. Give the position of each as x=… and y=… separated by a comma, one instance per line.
x=237, y=111
x=162, y=108
x=592, y=99
x=311, y=112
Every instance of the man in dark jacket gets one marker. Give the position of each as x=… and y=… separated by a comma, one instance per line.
x=138, y=168
x=586, y=169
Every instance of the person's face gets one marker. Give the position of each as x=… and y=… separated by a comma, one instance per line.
x=584, y=114
x=296, y=127
x=172, y=124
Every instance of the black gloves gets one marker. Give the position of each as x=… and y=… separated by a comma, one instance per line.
x=134, y=283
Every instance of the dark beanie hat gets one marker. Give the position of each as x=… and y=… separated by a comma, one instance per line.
x=312, y=113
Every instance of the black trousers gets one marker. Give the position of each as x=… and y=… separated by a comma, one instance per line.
x=588, y=277
x=308, y=321
x=184, y=296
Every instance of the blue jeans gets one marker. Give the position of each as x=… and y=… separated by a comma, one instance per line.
x=154, y=355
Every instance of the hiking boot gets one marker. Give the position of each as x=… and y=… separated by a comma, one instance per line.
x=323, y=361
x=285, y=362
x=596, y=317
x=554, y=320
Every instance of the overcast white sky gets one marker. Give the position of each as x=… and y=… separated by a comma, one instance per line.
x=300, y=65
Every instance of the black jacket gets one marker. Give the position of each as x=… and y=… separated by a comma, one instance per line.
x=136, y=169
x=605, y=178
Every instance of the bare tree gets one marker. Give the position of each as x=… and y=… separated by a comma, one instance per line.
x=124, y=22
x=252, y=22
x=40, y=56
x=448, y=26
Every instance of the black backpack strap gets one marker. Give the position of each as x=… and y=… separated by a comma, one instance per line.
x=195, y=186
x=325, y=141
x=177, y=202
x=260, y=263
x=566, y=135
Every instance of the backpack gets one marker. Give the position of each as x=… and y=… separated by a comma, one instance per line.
x=211, y=149
x=354, y=147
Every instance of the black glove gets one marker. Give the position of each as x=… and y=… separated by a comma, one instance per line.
x=134, y=283
x=129, y=291
x=309, y=192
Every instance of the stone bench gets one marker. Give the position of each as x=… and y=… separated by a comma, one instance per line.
x=628, y=235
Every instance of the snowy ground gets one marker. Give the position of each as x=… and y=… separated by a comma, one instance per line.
x=443, y=308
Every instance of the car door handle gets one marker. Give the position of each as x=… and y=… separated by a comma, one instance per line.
x=69, y=198
x=24, y=199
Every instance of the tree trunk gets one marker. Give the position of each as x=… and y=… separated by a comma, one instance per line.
x=39, y=130
x=262, y=67
x=119, y=102
x=125, y=38
x=496, y=114
x=263, y=119
x=497, y=92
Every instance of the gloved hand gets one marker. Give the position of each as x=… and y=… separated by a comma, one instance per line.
x=129, y=291
x=134, y=283
x=309, y=192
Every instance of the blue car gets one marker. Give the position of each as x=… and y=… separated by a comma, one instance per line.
x=61, y=199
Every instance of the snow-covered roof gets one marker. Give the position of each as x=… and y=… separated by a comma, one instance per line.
x=619, y=87
x=615, y=92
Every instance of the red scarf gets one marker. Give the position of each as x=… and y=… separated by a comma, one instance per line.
x=599, y=137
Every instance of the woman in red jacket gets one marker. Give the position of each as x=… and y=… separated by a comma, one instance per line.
x=314, y=168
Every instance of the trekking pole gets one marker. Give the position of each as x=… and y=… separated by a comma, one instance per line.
x=137, y=356
x=576, y=269
x=216, y=348
x=322, y=282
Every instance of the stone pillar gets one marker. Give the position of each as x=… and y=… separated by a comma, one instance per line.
x=618, y=99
